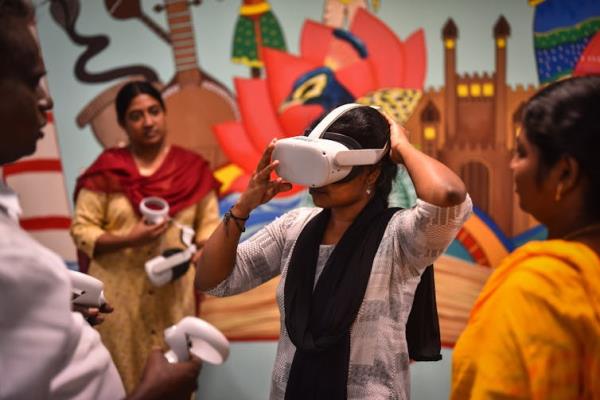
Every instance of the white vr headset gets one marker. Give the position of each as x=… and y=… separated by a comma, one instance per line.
x=322, y=157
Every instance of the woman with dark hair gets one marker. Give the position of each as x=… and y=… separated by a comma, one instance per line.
x=109, y=229
x=534, y=332
x=348, y=267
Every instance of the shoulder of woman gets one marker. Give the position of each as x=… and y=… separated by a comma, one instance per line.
x=304, y=212
x=110, y=157
x=544, y=274
x=115, y=152
x=183, y=152
x=296, y=217
x=187, y=158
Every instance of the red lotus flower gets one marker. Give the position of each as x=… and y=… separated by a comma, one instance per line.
x=367, y=58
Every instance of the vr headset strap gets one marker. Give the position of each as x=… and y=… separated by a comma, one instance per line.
x=330, y=118
x=359, y=157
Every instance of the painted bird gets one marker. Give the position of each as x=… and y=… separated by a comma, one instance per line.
x=320, y=86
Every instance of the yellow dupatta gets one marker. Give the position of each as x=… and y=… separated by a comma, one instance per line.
x=534, y=331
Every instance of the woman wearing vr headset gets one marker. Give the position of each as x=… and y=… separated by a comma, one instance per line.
x=349, y=268
x=109, y=229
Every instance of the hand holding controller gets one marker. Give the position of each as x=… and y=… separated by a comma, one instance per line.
x=154, y=209
x=87, y=290
x=195, y=336
x=169, y=266
x=173, y=263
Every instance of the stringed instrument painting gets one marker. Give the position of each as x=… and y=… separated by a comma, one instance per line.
x=195, y=102
x=194, y=99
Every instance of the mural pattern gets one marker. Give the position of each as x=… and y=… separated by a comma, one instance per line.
x=469, y=123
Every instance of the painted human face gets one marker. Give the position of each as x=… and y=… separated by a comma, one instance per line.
x=23, y=99
x=339, y=195
x=536, y=195
x=145, y=121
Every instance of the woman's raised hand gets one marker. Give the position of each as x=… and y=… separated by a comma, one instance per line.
x=398, y=139
x=261, y=187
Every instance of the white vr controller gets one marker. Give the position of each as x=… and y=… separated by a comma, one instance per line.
x=317, y=160
x=161, y=269
x=172, y=263
x=87, y=290
x=195, y=336
x=154, y=209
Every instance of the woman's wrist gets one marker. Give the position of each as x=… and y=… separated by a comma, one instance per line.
x=240, y=211
x=398, y=151
x=238, y=218
x=133, y=240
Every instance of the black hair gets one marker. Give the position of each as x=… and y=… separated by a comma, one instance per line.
x=14, y=17
x=131, y=90
x=563, y=119
x=371, y=130
x=19, y=9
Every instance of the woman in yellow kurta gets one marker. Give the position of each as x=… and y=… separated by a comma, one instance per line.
x=108, y=228
x=534, y=332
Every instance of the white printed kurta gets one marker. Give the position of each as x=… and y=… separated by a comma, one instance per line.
x=379, y=361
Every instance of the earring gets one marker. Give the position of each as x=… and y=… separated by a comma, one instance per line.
x=559, y=189
x=368, y=191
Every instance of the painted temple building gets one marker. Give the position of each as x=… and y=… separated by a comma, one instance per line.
x=470, y=125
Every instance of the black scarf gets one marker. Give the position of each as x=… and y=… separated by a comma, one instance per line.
x=318, y=322
x=423, y=326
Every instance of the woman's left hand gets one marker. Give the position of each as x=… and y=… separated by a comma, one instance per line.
x=434, y=182
x=398, y=140
x=143, y=233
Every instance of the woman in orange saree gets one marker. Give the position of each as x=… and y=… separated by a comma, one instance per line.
x=534, y=332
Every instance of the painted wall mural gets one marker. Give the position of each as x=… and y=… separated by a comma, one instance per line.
x=339, y=13
x=562, y=29
x=256, y=27
x=366, y=64
x=469, y=122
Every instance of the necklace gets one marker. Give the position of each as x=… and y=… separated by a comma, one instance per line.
x=579, y=232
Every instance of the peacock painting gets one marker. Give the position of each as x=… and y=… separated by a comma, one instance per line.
x=367, y=64
x=320, y=86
